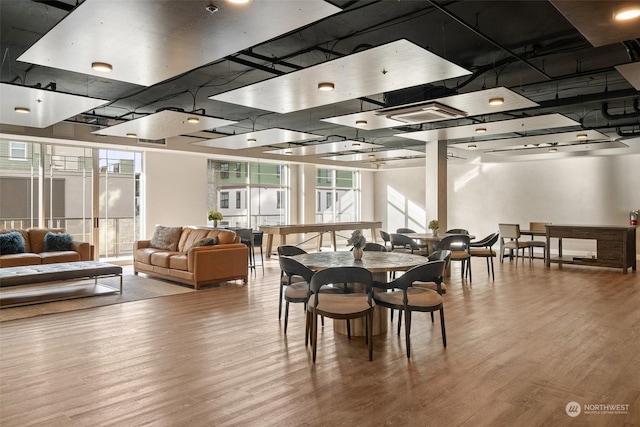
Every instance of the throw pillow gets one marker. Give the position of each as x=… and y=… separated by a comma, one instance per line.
x=54, y=242
x=12, y=243
x=208, y=241
x=166, y=238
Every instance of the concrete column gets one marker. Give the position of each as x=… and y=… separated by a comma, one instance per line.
x=436, y=182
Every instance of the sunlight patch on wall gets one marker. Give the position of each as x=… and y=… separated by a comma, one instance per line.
x=466, y=178
x=402, y=212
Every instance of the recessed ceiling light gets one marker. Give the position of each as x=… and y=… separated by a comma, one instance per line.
x=288, y=151
x=553, y=150
x=627, y=13
x=193, y=120
x=481, y=130
x=102, y=67
x=22, y=110
x=326, y=86
x=238, y=1
x=496, y=101
x=581, y=136
x=472, y=146
x=251, y=140
x=361, y=122
x=132, y=135
x=355, y=144
x=371, y=156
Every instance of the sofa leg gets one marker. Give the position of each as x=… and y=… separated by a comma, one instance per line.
x=135, y=273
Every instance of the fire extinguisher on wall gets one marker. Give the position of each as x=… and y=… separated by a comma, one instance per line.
x=633, y=218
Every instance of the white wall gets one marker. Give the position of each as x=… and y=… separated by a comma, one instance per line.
x=175, y=190
x=575, y=190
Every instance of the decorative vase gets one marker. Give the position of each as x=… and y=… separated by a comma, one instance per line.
x=357, y=253
x=215, y=223
x=435, y=233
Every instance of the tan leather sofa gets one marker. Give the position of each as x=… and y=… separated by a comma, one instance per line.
x=35, y=253
x=195, y=265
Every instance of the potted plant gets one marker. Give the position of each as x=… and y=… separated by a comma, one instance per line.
x=434, y=226
x=357, y=240
x=214, y=216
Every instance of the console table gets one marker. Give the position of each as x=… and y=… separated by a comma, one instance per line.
x=616, y=246
x=283, y=230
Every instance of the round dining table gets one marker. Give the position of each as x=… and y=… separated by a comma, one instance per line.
x=378, y=263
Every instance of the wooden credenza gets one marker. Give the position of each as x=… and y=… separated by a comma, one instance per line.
x=616, y=246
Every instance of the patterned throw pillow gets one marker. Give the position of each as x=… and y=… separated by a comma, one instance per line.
x=209, y=241
x=166, y=238
x=55, y=242
x=12, y=243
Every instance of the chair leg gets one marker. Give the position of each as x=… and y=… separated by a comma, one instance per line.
x=493, y=274
x=286, y=316
x=444, y=333
x=314, y=328
x=370, y=333
x=469, y=269
x=399, y=320
x=431, y=317
x=280, y=305
x=307, y=328
x=348, y=329
x=407, y=331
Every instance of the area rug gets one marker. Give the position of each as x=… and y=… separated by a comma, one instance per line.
x=134, y=288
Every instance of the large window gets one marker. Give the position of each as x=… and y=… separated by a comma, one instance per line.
x=338, y=195
x=261, y=193
x=51, y=185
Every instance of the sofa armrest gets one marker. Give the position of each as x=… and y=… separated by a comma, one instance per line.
x=141, y=244
x=84, y=249
x=218, y=261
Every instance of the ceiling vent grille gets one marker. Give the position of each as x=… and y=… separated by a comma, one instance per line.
x=421, y=113
x=152, y=141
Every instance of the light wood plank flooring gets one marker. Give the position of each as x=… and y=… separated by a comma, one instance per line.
x=519, y=350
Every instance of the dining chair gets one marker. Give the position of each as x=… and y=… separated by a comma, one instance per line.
x=459, y=245
x=340, y=306
x=385, y=237
x=246, y=237
x=484, y=249
x=400, y=242
x=457, y=231
x=512, y=232
x=298, y=292
x=257, y=242
x=287, y=250
x=408, y=298
x=371, y=246
x=539, y=227
x=441, y=255
x=404, y=230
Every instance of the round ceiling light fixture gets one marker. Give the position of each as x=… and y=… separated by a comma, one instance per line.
x=581, y=136
x=472, y=146
x=553, y=150
x=627, y=13
x=251, y=140
x=101, y=67
x=22, y=110
x=238, y=1
x=132, y=135
x=361, y=122
x=193, y=120
x=496, y=101
x=326, y=86
x=355, y=144
x=481, y=130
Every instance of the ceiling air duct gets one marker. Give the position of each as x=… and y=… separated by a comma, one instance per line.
x=421, y=112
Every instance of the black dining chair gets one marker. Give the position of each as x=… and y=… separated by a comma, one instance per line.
x=287, y=250
x=340, y=306
x=404, y=230
x=459, y=245
x=409, y=299
x=484, y=249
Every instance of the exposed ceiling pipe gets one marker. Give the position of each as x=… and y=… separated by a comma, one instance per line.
x=609, y=116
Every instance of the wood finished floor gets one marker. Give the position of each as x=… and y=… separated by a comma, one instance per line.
x=519, y=349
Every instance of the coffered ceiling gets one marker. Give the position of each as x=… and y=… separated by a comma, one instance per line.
x=251, y=74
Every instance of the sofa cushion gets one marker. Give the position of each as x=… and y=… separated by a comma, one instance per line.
x=161, y=258
x=179, y=262
x=56, y=242
x=225, y=237
x=12, y=243
x=144, y=255
x=59, y=256
x=19, y=260
x=166, y=238
x=192, y=235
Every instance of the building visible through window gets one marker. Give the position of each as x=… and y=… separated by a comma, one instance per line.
x=18, y=150
x=224, y=170
x=224, y=200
